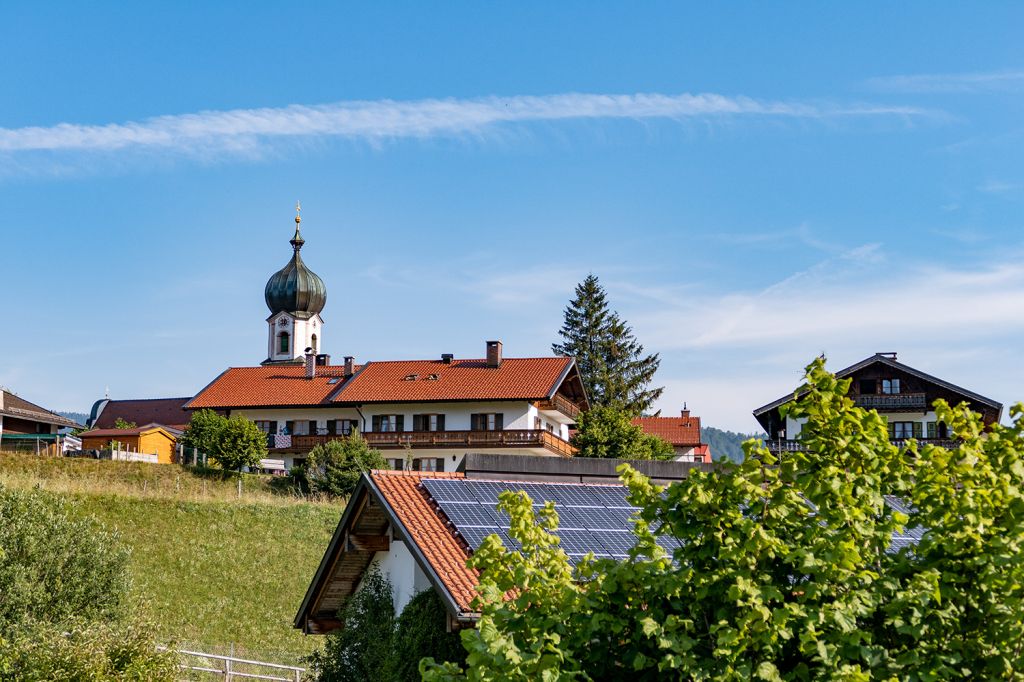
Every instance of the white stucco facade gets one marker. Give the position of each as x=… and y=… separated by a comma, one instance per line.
x=301, y=334
x=400, y=568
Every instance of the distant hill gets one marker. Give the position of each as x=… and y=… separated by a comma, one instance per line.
x=725, y=444
x=80, y=417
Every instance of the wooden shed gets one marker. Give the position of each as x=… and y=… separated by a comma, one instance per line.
x=150, y=440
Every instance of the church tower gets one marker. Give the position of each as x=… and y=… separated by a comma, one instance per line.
x=295, y=296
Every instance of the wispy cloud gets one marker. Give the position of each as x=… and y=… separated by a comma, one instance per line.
x=243, y=131
x=992, y=81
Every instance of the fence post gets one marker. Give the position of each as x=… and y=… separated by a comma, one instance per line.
x=227, y=670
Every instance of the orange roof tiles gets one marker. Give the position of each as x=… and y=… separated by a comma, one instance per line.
x=682, y=431
x=269, y=386
x=426, y=529
x=390, y=381
x=426, y=380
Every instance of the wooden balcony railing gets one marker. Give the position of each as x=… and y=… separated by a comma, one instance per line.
x=510, y=438
x=789, y=445
x=894, y=401
x=560, y=404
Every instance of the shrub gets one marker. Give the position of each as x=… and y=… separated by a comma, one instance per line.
x=203, y=431
x=239, y=443
x=54, y=566
x=422, y=631
x=334, y=467
x=609, y=432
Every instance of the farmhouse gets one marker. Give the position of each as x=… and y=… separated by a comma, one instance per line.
x=27, y=425
x=903, y=395
x=683, y=432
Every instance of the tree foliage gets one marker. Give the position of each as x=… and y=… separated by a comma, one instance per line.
x=240, y=443
x=612, y=364
x=234, y=443
x=609, y=432
x=123, y=424
x=334, y=467
x=375, y=646
x=782, y=569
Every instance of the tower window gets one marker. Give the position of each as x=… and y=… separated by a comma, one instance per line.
x=313, y=344
x=283, y=342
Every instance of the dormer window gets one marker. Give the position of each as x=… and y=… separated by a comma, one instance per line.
x=890, y=386
x=409, y=377
x=430, y=377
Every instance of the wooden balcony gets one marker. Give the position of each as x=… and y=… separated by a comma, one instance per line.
x=510, y=438
x=560, y=404
x=894, y=401
x=789, y=445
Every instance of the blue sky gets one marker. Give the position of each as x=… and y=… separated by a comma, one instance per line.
x=753, y=184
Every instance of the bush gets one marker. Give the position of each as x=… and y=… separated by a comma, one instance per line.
x=375, y=646
x=42, y=652
x=54, y=566
x=203, y=431
x=334, y=468
x=240, y=443
x=610, y=432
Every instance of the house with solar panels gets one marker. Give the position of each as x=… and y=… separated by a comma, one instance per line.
x=425, y=415
x=905, y=396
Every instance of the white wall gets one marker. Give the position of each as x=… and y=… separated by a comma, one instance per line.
x=794, y=426
x=301, y=332
x=401, y=569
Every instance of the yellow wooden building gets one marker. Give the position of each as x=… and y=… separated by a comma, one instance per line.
x=147, y=440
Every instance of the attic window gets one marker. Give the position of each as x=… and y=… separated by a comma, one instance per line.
x=409, y=377
x=430, y=377
x=333, y=380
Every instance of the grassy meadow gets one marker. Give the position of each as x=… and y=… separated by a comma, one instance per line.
x=213, y=570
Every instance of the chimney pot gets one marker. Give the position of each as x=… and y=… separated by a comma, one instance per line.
x=323, y=359
x=447, y=358
x=494, y=353
x=349, y=365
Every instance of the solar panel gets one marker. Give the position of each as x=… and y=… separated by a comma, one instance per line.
x=571, y=495
x=612, y=496
x=448, y=490
x=469, y=514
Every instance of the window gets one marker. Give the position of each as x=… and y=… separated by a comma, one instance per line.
x=428, y=422
x=341, y=427
x=901, y=430
x=388, y=423
x=269, y=427
x=890, y=386
x=932, y=430
x=428, y=464
x=301, y=428
x=492, y=421
x=868, y=386
x=396, y=463
x=313, y=343
x=283, y=342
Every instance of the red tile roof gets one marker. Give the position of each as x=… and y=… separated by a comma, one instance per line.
x=427, y=380
x=443, y=551
x=390, y=381
x=166, y=411
x=679, y=431
x=269, y=386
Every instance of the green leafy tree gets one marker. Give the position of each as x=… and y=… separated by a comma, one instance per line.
x=421, y=630
x=239, y=443
x=122, y=424
x=612, y=364
x=203, y=431
x=609, y=432
x=782, y=569
x=334, y=467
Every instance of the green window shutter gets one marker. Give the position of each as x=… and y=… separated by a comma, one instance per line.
x=917, y=429
x=376, y=423
x=892, y=430
x=932, y=430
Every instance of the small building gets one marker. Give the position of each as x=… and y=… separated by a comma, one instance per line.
x=152, y=439
x=419, y=528
x=25, y=425
x=167, y=412
x=683, y=432
x=903, y=395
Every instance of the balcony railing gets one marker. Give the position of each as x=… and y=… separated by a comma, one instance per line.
x=560, y=404
x=790, y=445
x=893, y=401
x=510, y=438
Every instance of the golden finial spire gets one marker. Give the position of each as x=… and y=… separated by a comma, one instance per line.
x=298, y=211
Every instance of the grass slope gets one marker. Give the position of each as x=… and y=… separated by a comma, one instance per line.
x=213, y=571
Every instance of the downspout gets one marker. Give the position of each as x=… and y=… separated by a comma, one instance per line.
x=362, y=418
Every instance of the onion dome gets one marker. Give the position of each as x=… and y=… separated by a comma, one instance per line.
x=295, y=288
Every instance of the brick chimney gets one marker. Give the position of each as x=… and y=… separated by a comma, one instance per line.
x=310, y=363
x=494, y=353
x=685, y=412
x=350, y=364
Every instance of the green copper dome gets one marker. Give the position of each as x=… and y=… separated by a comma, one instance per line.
x=295, y=288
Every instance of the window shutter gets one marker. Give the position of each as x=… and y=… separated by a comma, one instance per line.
x=474, y=422
x=439, y=464
x=917, y=429
x=440, y=422
x=499, y=421
x=290, y=426
x=932, y=430
x=892, y=430
x=312, y=427
x=417, y=422
x=273, y=428
x=400, y=422
x=376, y=423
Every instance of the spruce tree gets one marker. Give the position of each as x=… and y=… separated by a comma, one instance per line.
x=612, y=364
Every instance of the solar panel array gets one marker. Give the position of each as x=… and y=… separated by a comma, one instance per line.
x=592, y=518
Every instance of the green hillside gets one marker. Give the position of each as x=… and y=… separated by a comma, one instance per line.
x=725, y=444
x=215, y=572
